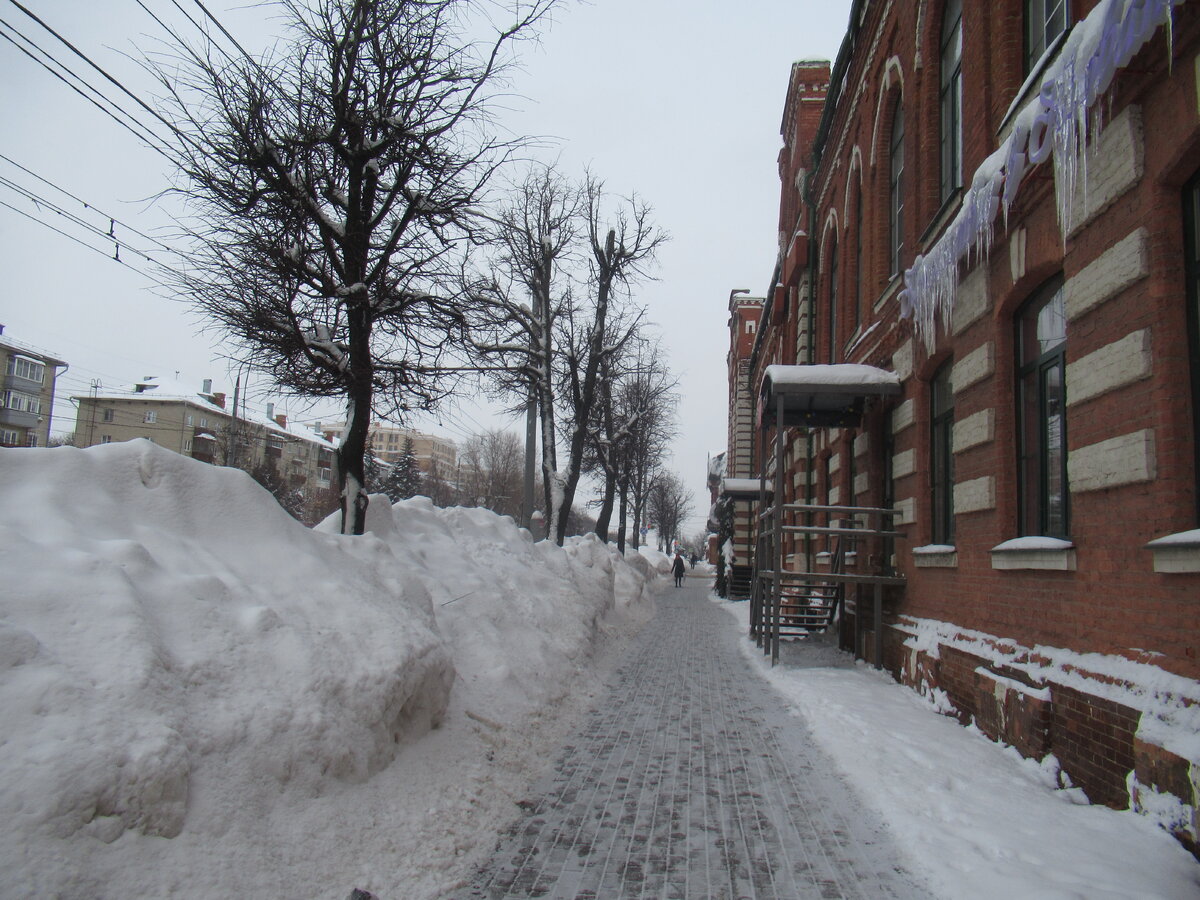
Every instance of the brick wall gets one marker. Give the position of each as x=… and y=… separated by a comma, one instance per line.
x=1093, y=740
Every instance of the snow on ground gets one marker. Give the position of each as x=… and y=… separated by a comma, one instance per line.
x=203, y=698
x=973, y=817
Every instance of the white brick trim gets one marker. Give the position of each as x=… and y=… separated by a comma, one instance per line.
x=977, y=365
x=972, y=301
x=977, y=428
x=1113, y=168
x=1126, y=459
x=975, y=495
x=1123, y=264
x=903, y=416
x=1113, y=366
x=904, y=463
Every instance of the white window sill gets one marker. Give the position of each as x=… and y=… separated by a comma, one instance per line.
x=1176, y=553
x=935, y=556
x=1052, y=554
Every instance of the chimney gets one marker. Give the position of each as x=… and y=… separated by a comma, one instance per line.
x=282, y=420
x=207, y=387
x=219, y=399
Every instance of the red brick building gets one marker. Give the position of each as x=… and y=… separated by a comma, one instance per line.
x=1000, y=203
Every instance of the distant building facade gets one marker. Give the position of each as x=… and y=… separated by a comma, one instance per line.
x=28, y=397
x=1042, y=312
x=434, y=454
x=199, y=424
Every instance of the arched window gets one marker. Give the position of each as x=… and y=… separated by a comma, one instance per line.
x=941, y=455
x=833, y=301
x=858, y=251
x=951, y=98
x=896, y=187
x=1041, y=413
x=1045, y=20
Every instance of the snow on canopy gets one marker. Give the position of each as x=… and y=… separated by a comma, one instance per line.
x=741, y=486
x=201, y=697
x=829, y=378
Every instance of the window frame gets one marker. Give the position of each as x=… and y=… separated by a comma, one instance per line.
x=950, y=100
x=1034, y=462
x=1037, y=36
x=941, y=455
x=832, y=321
x=16, y=362
x=896, y=188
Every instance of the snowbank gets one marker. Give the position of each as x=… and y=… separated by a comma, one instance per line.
x=973, y=817
x=201, y=697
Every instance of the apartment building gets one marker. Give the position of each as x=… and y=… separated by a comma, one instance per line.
x=29, y=377
x=433, y=453
x=202, y=424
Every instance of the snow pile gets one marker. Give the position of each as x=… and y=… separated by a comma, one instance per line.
x=974, y=818
x=201, y=697
x=659, y=561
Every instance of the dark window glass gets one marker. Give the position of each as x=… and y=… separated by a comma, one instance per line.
x=1191, y=229
x=1041, y=414
x=896, y=189
x=951, y=98
x=941, y=407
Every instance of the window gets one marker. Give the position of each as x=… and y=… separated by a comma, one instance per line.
x=203, y=422
x=188, y=420
x=187, y=445
x=951, y=98
x=31, y=439
x=1045, y=20
x=106, y=438
x=23, y=402
x=833, y=301
x=1191, y=232
x=896, y=188
x=10, y=437
x=151, y=417
x=941, y=456
x=750, y=326
x=109, y=414
x=1041, y=414
x=29, y=369
x=858, y=243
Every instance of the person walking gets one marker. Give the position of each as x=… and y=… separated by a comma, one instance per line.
x=678, y=568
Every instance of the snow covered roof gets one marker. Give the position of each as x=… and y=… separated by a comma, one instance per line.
x=822, y=395
x=31, y=350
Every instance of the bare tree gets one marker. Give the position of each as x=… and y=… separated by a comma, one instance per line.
x=669, y=504
x=490, y=471
x=558, y=312
x=634, y=415
x=333, y=188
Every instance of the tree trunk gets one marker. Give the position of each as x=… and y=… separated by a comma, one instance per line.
x=606, y=505
x=623, y=495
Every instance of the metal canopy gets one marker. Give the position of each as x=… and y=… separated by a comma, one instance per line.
x=743, y=488
x=822, y=395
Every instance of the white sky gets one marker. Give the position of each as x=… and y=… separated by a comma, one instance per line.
x=681, y=107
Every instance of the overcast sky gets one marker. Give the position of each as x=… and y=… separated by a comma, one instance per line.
x=677, y=101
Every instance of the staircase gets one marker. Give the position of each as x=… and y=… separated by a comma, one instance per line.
x=788, y=604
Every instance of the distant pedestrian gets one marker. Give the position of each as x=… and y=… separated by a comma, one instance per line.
x=678, y=568
x=693, y=560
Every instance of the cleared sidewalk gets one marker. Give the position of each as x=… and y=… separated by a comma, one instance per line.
x=692, y=779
